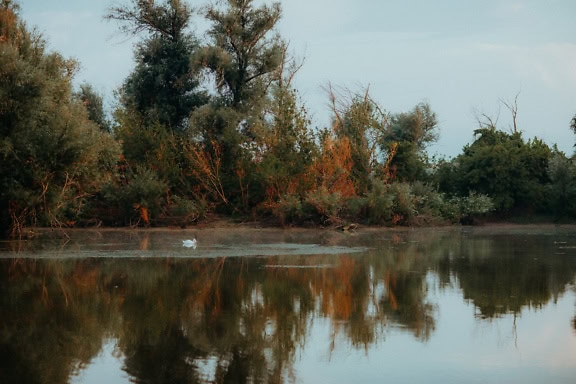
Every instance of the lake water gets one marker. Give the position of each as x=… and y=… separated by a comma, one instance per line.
x=446, y=305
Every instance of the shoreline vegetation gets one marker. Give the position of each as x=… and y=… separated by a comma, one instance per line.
x=210, y=126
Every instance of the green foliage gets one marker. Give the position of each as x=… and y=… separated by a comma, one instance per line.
x=248, y=147
x=185, y=211
x=93, y=103
x=242, y=57
x=53, y=156
x=289, y=209
x=411, y=132
x=404, y=203
x=420, y=204
x=140, y=188
x=475, y=204
x=562, y=188
x=144, y=189
x=317, y=207
x=408, y=164
x=286, y=146
x=503, y=166
x=385, y=204
x=445, y=176
x=467, y=209
x=150, y=145
x=324, y=206
x=153, y=117
x=238, y=181
x=430, y=204
x=164, y=86
x=244, y=60
x=379, y=204
x=417, y=126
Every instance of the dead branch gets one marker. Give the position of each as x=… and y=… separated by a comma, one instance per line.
x=513, y=108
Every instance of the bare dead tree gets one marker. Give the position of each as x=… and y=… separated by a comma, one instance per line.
x=335, y=97
x=513, y=108
x=485, y=120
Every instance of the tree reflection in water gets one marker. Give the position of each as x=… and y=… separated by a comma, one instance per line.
x=244, y=319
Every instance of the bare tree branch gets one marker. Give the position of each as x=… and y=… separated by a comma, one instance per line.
x=144, y=15
x=486, y=121
x=513, y=108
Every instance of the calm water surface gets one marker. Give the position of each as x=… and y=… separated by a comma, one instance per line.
x=449, y=305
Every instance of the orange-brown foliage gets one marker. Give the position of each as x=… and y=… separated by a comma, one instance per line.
x=332, y=170
x=7, y=23
x=206, y=169
x=389, y=174
x=143, y=213
x=343, y=290
x=390, y=282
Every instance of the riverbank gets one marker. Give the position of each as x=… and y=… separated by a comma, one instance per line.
x=224, y=225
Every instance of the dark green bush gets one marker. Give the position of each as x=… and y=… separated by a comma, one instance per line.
x=141, y=189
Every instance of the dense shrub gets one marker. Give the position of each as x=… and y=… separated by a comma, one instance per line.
x=288, y=209
x=183, y=211
x=379, y=204
x=323, y=206
x=468, y=209
x=137, y=198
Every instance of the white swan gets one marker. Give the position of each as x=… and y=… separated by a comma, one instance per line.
x=190, y=243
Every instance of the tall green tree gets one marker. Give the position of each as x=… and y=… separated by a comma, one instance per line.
x=53, y=157
x=155, y=103
x=410, y=133
x=164, y=87
x=243, y=57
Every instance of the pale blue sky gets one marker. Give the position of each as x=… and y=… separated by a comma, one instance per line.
x=460, y=56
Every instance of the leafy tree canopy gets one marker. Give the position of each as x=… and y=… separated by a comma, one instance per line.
x=242, y=56
x=164, y=87
x=53, y=157
x=504, y=166
x=93, y=103
x=410, y=133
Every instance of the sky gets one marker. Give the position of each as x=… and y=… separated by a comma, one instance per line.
x=463, y=57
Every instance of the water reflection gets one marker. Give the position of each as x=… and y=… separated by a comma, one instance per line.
x=248, y=319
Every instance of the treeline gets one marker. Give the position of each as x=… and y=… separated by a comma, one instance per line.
x=213, y=124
